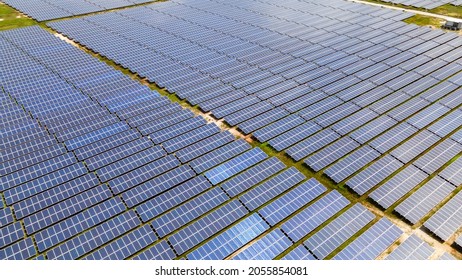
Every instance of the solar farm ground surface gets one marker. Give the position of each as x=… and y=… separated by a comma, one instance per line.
x=243, y=130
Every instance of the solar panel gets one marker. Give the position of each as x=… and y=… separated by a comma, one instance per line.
x=412, y=248
x=393, y=137
x=397, y=186
x=66, y=208
x=253, y=176
x=446, y=256
x=140, y=175
x=235, y=165
x=414, y=146
x=266, y=248
x=129, y=163
x=35, y=171
x=299, y=253
x=45, y=199
x=117, y=153
x=157, y=185
x=10, y=234
x=331, y=153
x=447, y=219
x=372, y=129
x=374, y=174
x=22, y=250
x=314, y=215
x=177, y=129
x=95, y=237
x=6, y=217
x=326, y=240
x=126, y=246
x=351, y=163
x=160, y=251
x=168, y=200
x=293, y=200
x=370, y=244
x=438, y=156
x=207, y=226
x=447, y=124
x=33, y=158
x=189, y=211
x=294, y=136
x=218, y=156
x=312, y=144
x=204, y=146
x=232, y=239
x=452, y=173
x=43, y=183
x=74, y=225
x=271, y=188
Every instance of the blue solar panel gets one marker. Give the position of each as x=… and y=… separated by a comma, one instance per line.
x=294, y=136
x=229, y=241
x=204, y=146
x=374, y=174
x=157, y=185
x=207, y=226
x=272, y=188
x=351, y=163
x=220, y=155
x=10, y=234
x=397, y=186
x=329, y=238
x=331, y=153
x=412, y=248
x=117, y=153
x=299, y=253
x=371, y=243
x=312, y=144
x=189, y=211
x=94, y=136
x=126, y=246
x=66, y=208
x=266, y=248
x=6, y=217
x=156, y=124
x=177, y=129
x=160, y=251
x=266, y=133
x=140, y=175
x=447, y=220
x=189, y=138
x=33, y=158
x=44, y=183
x=106, y=144
x=74, y=225
x=314, y=215
x=172, y=198
x=35, y=171
x=234, y=166
x=130, y=163
x=290, y=202
x=95, y=237
x=21, y=250
x=45, y=199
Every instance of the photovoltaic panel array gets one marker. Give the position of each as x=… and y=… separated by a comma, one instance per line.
x=412, y=249
x=72, y=210
x=364, y=98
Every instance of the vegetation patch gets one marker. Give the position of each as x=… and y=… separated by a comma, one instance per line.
x=10, y=18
